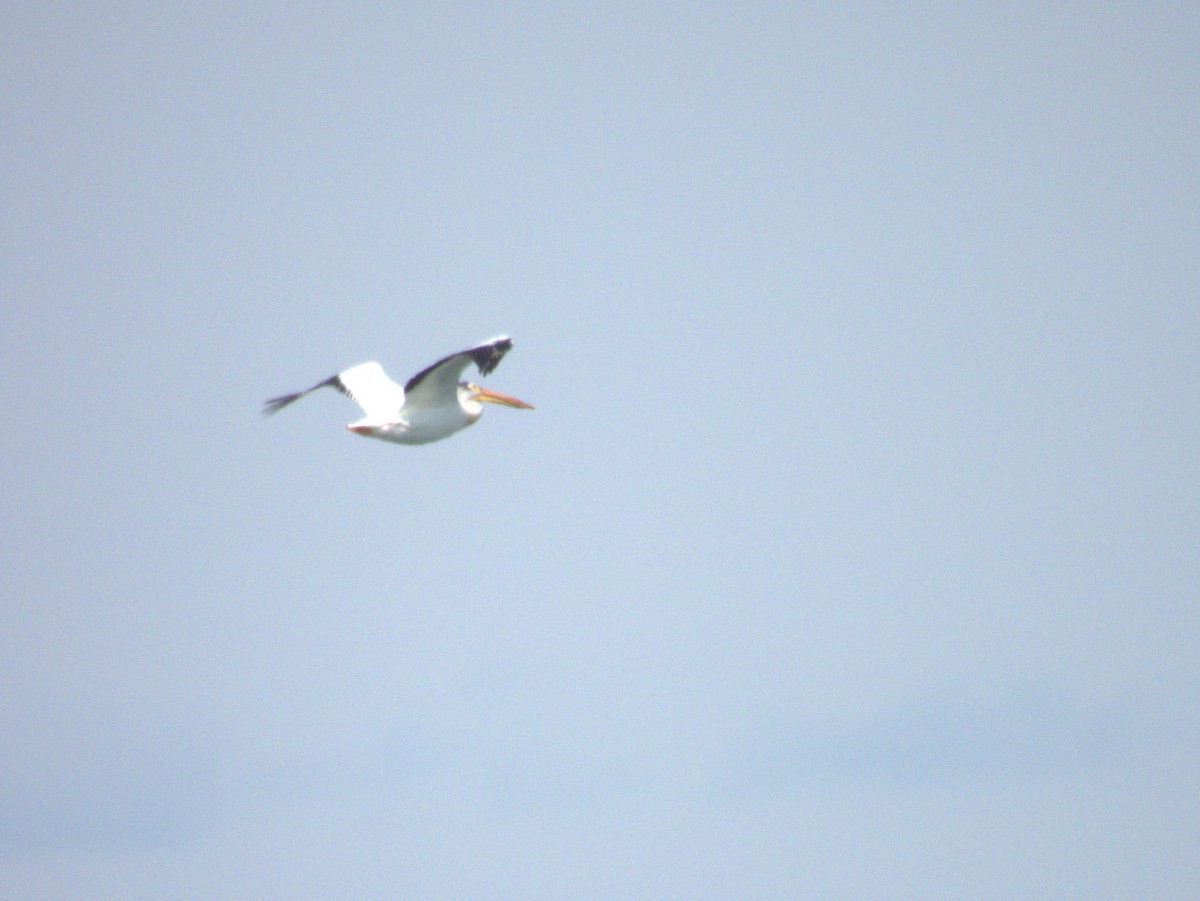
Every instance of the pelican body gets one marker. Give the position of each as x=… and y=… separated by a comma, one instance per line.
x=432, y=405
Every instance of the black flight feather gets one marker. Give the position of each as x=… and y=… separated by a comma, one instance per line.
x=275, y=404
x=486, y=356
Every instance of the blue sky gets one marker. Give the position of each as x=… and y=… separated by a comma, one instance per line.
x=850, y=551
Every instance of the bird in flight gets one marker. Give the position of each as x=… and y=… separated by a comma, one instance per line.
x=432, y=405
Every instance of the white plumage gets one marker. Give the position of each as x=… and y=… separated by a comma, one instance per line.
x=432, y=404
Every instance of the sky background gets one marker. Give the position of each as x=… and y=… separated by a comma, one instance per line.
x=850, y=552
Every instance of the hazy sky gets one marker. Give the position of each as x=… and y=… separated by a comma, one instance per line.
x=851, y=551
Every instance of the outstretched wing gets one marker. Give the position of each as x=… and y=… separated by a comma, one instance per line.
x=437, y=385
x=366, y=383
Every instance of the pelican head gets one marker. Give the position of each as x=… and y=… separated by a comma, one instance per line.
x=470, y=395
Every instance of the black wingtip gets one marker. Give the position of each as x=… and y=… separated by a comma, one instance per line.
x=488, y=356
x=275, y=404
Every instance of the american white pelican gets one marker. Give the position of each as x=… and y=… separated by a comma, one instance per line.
x=432, y=404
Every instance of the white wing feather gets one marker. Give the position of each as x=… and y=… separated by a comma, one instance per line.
x=380, y=397
x=437, y=385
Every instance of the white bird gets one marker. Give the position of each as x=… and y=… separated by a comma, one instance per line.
x=432, y=405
